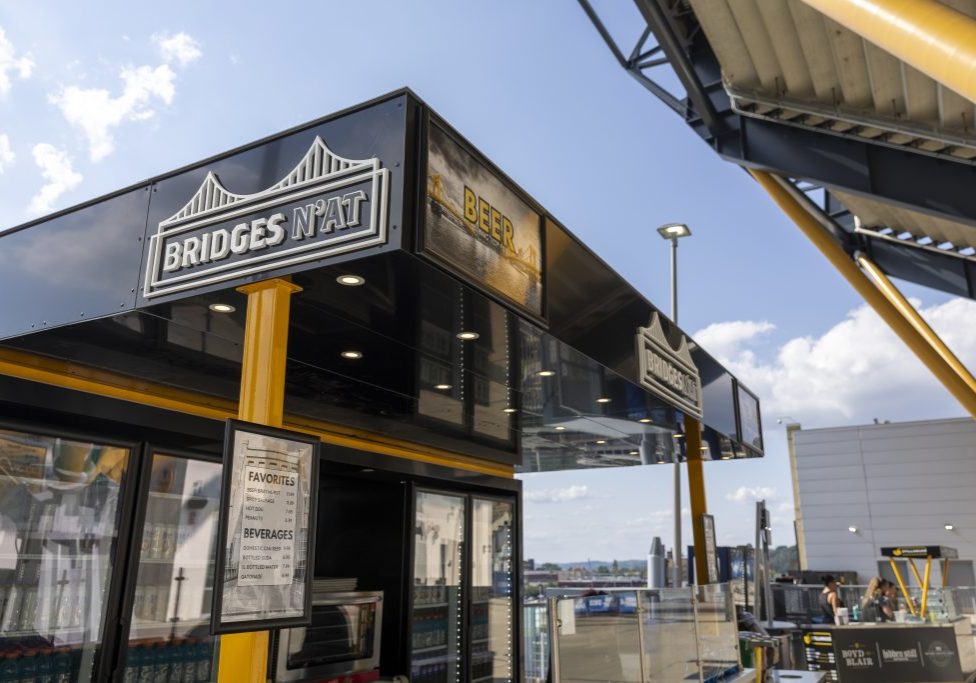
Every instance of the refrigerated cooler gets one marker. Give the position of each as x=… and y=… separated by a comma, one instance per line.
x=462, y=602
x=105, y=570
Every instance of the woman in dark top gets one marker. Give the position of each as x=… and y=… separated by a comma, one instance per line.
x=829, y=600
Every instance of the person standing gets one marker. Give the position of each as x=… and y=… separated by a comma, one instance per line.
x=830, y=601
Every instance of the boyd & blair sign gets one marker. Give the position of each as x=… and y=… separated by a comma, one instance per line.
x=326, y=205
x=670, y=373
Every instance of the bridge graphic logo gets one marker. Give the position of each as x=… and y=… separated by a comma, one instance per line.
x=325, y=205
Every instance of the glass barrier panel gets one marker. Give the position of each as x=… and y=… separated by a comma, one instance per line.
x=535, y=642
x=718, y=633
x=670, y=641
x=598, y=638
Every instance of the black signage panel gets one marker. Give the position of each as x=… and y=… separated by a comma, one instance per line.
x=923, y=551
x=328, y=192
x=266, y=540
x=897, y=655
x=477, y=226
x=326, y=205
x=884, y=655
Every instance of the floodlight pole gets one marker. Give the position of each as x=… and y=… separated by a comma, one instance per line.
x=677, y=459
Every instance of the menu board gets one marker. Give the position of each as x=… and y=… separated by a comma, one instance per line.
x=267, y=529
x=750, y=425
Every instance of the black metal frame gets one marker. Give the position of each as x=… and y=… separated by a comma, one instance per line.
x=219, y=627
x=130, y=576
x=903, y=176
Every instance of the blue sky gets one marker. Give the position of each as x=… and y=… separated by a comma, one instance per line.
x=101, y=96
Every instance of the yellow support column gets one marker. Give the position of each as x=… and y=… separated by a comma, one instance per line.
x=824, y=241
x=696, y=493
x=901, y=585
x=244, y=656
x=929, y=35
x=925, y=587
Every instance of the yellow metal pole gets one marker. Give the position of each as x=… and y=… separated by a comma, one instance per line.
x=945, y=572
x=925, y=586
x=824, y=241
x=929, y=35
x=901, y=586
x=757, y=655
x=696, y=493
x=918, y=577
x=244, y=656
x=908, y=311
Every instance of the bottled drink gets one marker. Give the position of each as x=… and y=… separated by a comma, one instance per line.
x=133, y=661
x=204, y=659
x=27, y=667
x=45, y=665
x=62, y=665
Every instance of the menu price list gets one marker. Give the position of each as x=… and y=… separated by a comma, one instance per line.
x=818, y=647
x=180, y=660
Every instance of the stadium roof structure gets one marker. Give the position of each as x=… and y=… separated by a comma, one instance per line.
x=857, y=116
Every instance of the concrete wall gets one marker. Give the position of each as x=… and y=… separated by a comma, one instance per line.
x=899, y=484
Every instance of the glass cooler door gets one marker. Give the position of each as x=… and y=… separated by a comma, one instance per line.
x=59, y=519
x=492, y=581
x=169, y=633
x=438, y=616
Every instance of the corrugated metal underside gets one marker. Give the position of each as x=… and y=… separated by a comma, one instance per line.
x=784, y=61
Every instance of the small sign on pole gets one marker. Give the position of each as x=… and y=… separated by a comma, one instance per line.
x=266, y=540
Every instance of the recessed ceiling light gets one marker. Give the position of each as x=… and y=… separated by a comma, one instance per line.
x=546, y=373
x=222, y=308
x=352, y=355
x=852, y=529
x=351, y=280
x=679, y=436
x=949, y=527
x=511, y=410
x=704, y=448
x=603, y=400
x=645, y=420
x=634, y=453
x=442, y=387
x=601, y=441
x=467, y=336
x=560, y=428
x=726, y=457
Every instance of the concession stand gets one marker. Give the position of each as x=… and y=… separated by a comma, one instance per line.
x=260, y=416
x=922, y=644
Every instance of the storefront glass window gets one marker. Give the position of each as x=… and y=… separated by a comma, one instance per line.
x=438, y=617
x=59, y=514
x=169, y=635
x=492, y=614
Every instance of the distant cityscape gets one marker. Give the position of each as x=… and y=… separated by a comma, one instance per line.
x=618, y=573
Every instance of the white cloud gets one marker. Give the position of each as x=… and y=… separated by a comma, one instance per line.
x=7, y=155
x=856, y=370
x=97, y=113
x=563, y=495
x=180, y=48
x=724, y=340
x=22, y=66
x=56, y=168
x=751, y=494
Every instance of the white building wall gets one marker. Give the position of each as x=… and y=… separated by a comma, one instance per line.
x=899, y=484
